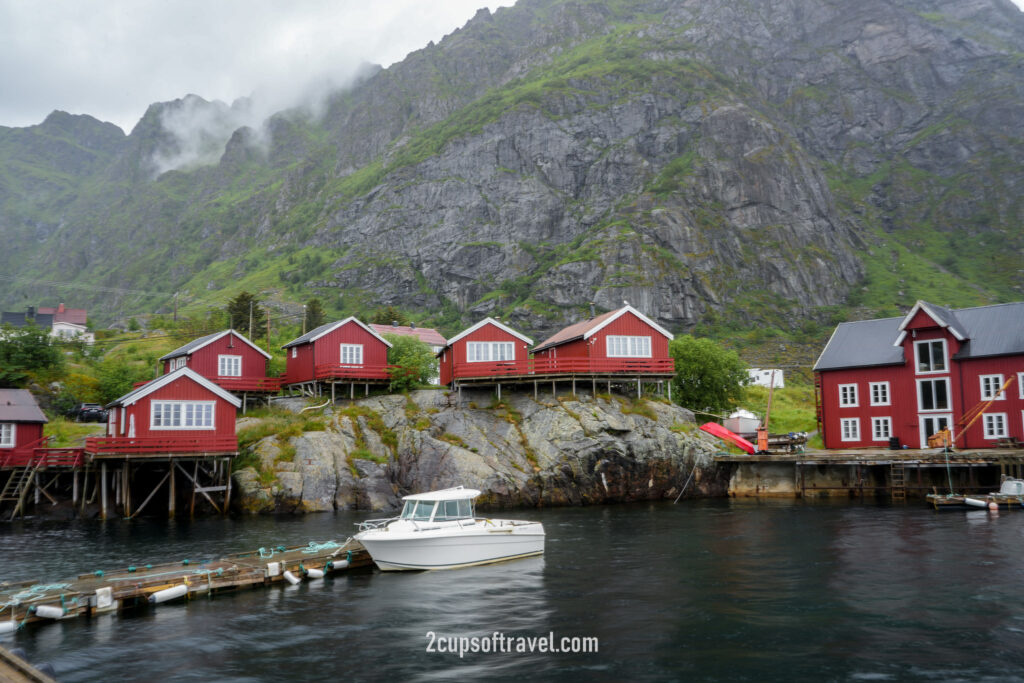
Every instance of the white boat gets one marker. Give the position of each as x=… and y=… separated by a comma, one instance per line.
x=438, y=530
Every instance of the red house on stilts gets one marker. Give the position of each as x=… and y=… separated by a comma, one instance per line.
x=227, y=359
x=21, y=427
x=899, y=381
x=623, y=344
x=486, y=352
x=348, y=351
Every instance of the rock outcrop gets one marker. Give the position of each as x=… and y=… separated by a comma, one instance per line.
x=518, y=452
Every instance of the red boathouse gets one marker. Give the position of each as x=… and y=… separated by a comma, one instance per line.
x=227, y=359
x=903, y=380
x=484, y=352
x=21, y=427
x=347, y=351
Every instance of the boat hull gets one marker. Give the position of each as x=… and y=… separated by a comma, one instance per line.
x=447, y=548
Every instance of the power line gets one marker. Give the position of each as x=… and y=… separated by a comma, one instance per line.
x=93, y=288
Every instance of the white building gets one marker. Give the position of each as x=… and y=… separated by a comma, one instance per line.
x=762, y=377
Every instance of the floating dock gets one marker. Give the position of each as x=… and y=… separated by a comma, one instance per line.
x=1002, y=501
x=27, y=602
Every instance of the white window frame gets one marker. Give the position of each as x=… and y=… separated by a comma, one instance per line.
x=917, y=357
x=992, y=420
x=879, y=388
x=181, y=412
x=627, y=346
x=848, y=396
x=8, y=434
x=354, y=352
x=920, y=397
x=990, y=385
x=877, y=422
x=490, y=352
x=178, y=362
x=231, y=364
x=845, y=432
x=295, y=352
x=1020, y=384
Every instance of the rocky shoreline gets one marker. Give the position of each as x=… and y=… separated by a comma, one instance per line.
x=520, y=452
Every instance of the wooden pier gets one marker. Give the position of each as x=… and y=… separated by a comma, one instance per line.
x=860, y=472
x=27, y=602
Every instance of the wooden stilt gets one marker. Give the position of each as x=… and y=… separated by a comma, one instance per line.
x=195, y=485
x=127, y=489
x=332, y=392
x=574, y=387
x=227, y=491
x=593, y=387
x=367, y=389
x=351, y=391
x=171, y=492
x=74, y=487
x=534, y=390
x=499, y=391
x=638, y=387
x=670, y=391
x=103, y=490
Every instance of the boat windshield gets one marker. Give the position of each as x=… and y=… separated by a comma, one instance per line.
x=424, y=508
x=407, y=511
x=454, y=509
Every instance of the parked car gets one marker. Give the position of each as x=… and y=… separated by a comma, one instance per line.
x=89, y=412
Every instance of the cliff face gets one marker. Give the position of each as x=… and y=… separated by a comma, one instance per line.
x=691, y=157
x=519, y=453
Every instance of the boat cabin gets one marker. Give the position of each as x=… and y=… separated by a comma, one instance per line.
x=448, y=505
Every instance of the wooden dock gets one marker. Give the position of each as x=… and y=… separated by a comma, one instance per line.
x=955, y=501
x=28, y=602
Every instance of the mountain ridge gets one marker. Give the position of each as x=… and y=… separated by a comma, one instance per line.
x=765, y=162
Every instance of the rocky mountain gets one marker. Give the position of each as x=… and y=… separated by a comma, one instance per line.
x=762, y=162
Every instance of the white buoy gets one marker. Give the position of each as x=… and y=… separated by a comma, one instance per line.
x=315, y=573
x=168, y=594
x=8, y=626
x=340, y=564
x=993, y=506
x=291, y=578
x=49, y=611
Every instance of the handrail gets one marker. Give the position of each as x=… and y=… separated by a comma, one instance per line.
x=168, y=444
x=551, y=366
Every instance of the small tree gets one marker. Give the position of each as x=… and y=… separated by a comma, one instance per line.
x=315, y=315
x=239, y=310
x=386, y=316
x=26, y=352
x=413, y=362
x=708, y=377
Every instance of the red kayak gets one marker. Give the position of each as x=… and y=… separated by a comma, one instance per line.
x=715, y=429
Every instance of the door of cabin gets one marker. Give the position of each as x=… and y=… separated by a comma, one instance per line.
x=933, y=424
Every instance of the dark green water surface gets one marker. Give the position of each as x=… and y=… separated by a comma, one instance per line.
x=719, y=590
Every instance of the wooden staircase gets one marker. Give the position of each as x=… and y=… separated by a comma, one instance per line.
x=17, y=487
x=898, y=481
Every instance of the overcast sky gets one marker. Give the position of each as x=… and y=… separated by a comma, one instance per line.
x=112, y=58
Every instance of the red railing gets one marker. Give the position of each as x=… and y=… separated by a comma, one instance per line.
x=566, y=366
x=349, y=371
x=267, y=384
x=43, y=457
x=157, y=445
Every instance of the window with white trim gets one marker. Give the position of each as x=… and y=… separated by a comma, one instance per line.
x=849, y=427
x=351, y=354
x=847, y=395
x=229, y=366
x=990, y=385
x=930, y=355
x=178, y=362
x=295, y=352
x=7, y=430
x=881, y=428
x=181, y=415
x=933, y=394
x=1020, y=384
x=995, y=425
x=621, y=346
x=879, y=393
x=489, y=352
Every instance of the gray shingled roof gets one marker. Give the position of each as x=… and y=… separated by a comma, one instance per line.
x=18, y=405
x=41, y=320
x=315, y=332
x=187, y=348
x=990, y=330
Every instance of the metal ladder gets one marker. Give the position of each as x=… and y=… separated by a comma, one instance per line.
x=16, y=487
x=898, y=481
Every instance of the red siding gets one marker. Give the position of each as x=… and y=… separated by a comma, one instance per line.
x=183, y=389
x=205, y=360
x=630, y=325
x=25, y=434
x=315, y=360
x=299, y=364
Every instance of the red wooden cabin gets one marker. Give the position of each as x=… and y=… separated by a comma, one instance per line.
x=227, y=359
x=179, y=413
x=345, y=351
x=908, y=378
x=619, y=342
x=21, y=427
x=486, y=350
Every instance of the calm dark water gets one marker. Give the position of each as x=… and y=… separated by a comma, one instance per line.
x=719, y=590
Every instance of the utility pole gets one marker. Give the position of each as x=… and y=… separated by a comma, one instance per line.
x=303, y=318
x=251, y=302
x=175, y=307
x=268, y=330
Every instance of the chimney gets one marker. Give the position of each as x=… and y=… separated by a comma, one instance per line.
x=60, y=308
x=394, y=323
x=30, y=312
x=412, y=326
